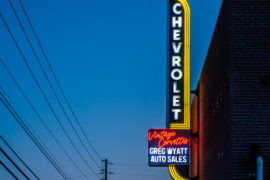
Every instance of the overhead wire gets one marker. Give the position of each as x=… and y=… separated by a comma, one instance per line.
x=13, y=163
x=31, y=135
x=51, y=86
x=77, y=177
x=136, y=174
x=39, y=116
x=126, y=164
x=57, y=81
x=13, y=151
x=45, y=97
x=9, y=171
x=5, y=95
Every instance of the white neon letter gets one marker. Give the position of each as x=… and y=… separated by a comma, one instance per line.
x=177, y=48
x=176, y=113
x=176, y=61
x=176, y=34
x=176, y=101
x=177, y=21
x=175, y=90
x=176, y=74
x=175, y=6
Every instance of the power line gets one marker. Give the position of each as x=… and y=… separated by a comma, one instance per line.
x=29, y=127
x=133, y=165
x=50, y=84
x=39, y=116
x=9, y=171
x=135, y=174
x=31, y=136
x=14, y=164
x=57, y=81
x=45, y=97
x=13, y=151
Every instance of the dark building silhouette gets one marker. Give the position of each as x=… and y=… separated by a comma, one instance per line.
x=232, y=110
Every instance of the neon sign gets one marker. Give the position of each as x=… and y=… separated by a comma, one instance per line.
x=176, y=65
x=167, y=146
x=167, y=138
x=178, y=77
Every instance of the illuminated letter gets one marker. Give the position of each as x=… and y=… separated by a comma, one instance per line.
x=169, y=151
x=177, y=21
x=176, y=77
x=176, y=49
x=184, y=159
x=176, y=112
x=176, y=61
x=175, y=8
x=176, y=101
x=175, y=90
x=176, y=35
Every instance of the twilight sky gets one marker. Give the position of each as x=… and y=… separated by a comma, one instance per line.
x=110, y=57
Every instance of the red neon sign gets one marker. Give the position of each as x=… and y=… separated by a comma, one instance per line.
x=167, y=138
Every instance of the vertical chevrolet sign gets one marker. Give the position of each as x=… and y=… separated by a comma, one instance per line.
x=178, y=73
x=178, y=65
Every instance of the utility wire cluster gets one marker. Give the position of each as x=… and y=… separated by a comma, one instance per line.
x=80, y=134
x=13, y=162
x=27, y=128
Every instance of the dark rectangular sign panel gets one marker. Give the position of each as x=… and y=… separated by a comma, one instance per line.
x=175, y=63
x=168, y=146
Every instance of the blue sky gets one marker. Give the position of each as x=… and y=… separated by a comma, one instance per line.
x=110, y=57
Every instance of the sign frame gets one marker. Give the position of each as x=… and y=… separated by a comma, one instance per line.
x=168, y=147
x=186, y=124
